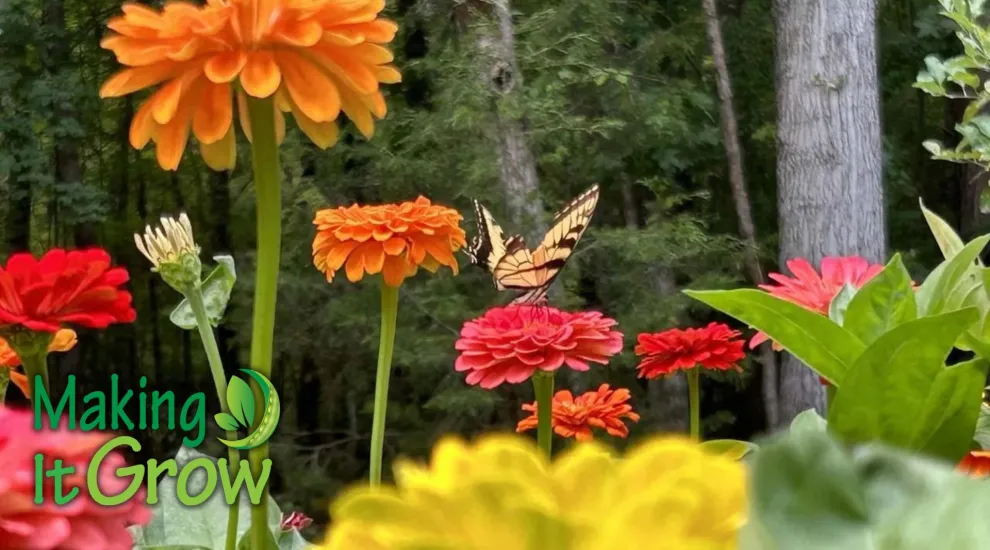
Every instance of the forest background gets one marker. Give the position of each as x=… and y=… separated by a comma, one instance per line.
x=522, y=112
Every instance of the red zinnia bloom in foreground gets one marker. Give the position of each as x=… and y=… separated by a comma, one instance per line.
x=604, y=408
x=77, y=287
x=81, y=523
x=976, y=464
x=509, y=344
x=713, y=347
x=815, y=292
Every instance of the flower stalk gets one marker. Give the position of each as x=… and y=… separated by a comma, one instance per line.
x=195, y=298
x=264, y=151
x=694, y=401
x=386, y=345
x=4, y=383
x=543, y=388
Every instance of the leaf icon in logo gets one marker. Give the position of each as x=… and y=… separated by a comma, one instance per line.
x=226, y=421
x=240, y=401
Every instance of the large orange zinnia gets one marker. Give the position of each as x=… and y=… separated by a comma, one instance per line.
x=391, y=239
x=316, y=57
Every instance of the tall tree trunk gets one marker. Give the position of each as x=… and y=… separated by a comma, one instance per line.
x=829, y=166
x=740, y=196
x=500, y=72
x=68, y=167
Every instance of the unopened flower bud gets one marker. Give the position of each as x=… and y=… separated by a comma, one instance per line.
x=173, y=252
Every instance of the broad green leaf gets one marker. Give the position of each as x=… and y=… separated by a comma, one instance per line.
x=953, y=409
x=808, y=421
x=240, y=401
x=810, y=493
x=292, y=540
x=948, y=240
x=886, y=301
x=216, y=294
x=886, y=394
x=731, y=448
x=814, y=339
x=226, y=421
x=945, y=282
x=837, y=307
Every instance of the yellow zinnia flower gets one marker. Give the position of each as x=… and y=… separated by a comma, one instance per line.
x=500, y=493
x=316, y=57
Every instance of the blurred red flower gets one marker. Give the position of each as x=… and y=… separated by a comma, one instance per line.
x=815, y=292
x=63, y=287
x=713, y=347
x=509, y=344
x=604, y=408
x=80, y=523
x=975, y=464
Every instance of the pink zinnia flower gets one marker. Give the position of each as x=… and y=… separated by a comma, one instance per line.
x=296, y=521
x=509, y=344
x=815, y=292
x=79, y=524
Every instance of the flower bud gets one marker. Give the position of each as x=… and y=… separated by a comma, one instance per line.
x=173, y=252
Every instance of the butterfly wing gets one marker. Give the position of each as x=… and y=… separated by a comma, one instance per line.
x=488, y=246
x=534, y=271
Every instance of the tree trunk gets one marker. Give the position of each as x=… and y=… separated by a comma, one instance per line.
x=740, y=196
x=829, y=166
x=499, y=71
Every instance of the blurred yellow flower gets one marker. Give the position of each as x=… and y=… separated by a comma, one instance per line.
x=500, y=493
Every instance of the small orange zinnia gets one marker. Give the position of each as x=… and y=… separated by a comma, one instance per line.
x=392, y=239
x=604, y=409
x=64, y=340
x=316, y=57
x=975, y=464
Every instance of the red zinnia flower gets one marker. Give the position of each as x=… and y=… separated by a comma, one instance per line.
x=509, y=344
x=975, y=464
x=77, y=287
x=713, y=347
x=815, y=292
x=572, y=417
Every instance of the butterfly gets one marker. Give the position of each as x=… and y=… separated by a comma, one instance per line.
x=514, y=266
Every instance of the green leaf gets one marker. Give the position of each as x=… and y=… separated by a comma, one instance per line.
x=808, y=421
x=954, y=409
x=889, y=393
x=885, y=302
x=216, y=294
x=294, y=541
x=948, y=240
x=814, y=339
x=942, y=283
x=731, y=448
x=240, y=401
x=982, y=433
x=837, y=307
x=226, y=421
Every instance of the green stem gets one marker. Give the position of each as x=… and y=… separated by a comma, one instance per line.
x=4, y=383
x=268, y=194
x=195, y=298
x=694, y=401
x=35, y=365
x=390, y=308
x=543, y=388
x=829, y=396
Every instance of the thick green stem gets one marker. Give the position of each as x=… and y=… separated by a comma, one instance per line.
x=694, y=401
x=268, y=195
x=390, y=308
x=543, y=388
x=195, y=298
x=36, y=366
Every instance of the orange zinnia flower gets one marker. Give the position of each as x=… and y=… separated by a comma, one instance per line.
x=976, y=464
x=572, y=417
x=316, y=57
x=391, y=239
x=64, y=340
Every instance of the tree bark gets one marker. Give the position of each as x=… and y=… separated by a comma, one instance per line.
x=499, y=70
x=740, y=195
x=829, y=165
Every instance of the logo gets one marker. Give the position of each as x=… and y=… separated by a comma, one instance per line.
x=242, y=415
